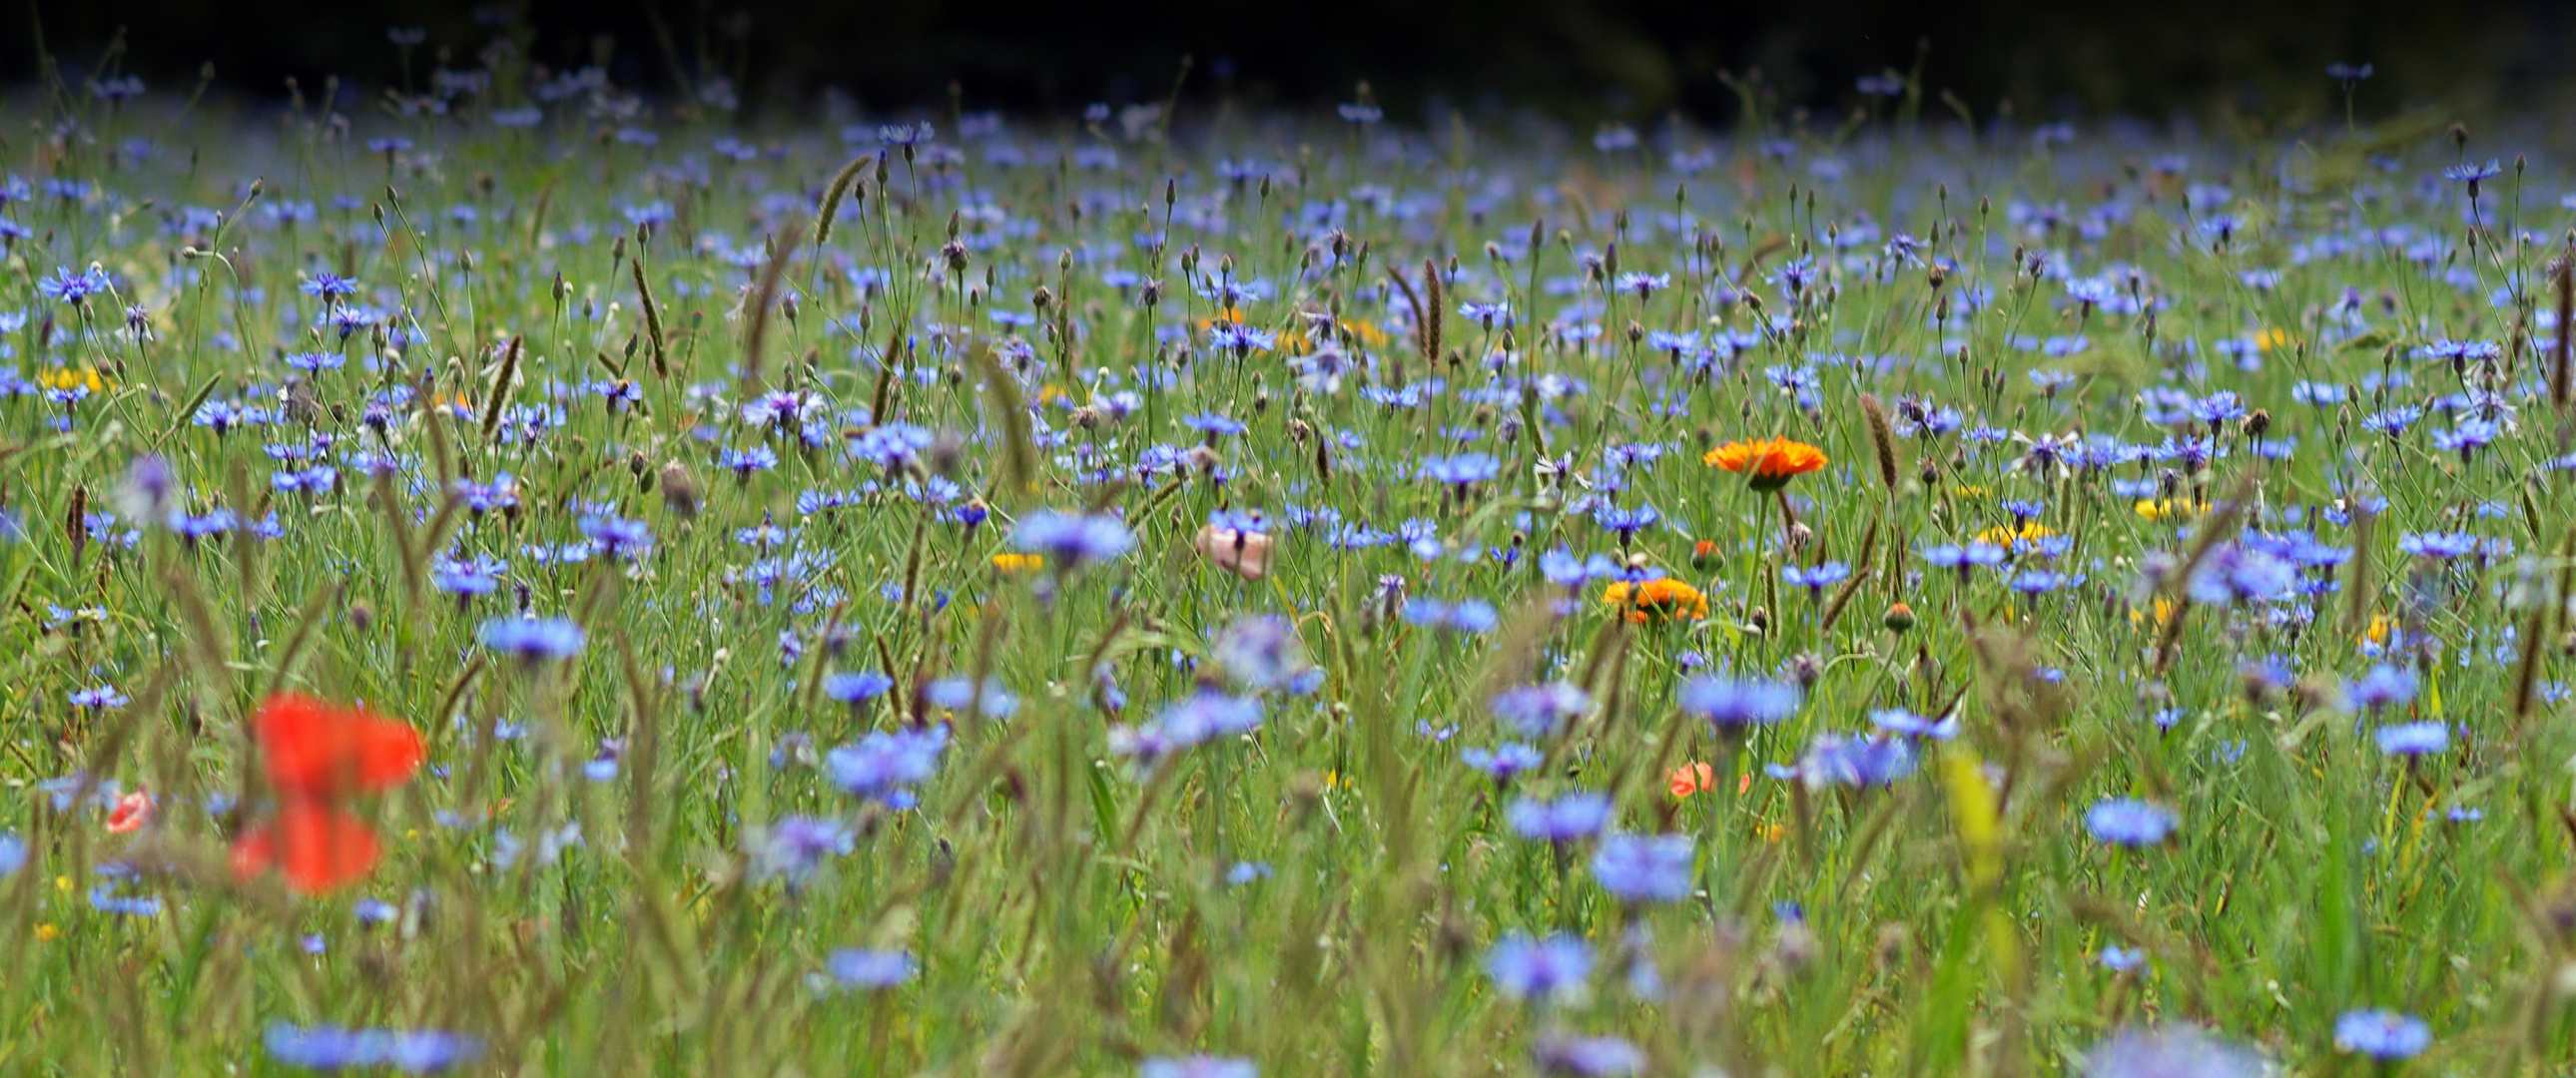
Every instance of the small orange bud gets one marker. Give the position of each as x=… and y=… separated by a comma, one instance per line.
x=1900, y=617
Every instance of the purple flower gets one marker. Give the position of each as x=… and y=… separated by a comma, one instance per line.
x=886, y=765
x=1262, y=653
x=2170, y=1052
x=794, y=847
x=1198, y=1067
x=1857, y=762
x=1731, y=705
x=2385, y=686
x=2412, y=739
x=1573, y=816
x=856, y=688
x=1644, y=868
x=1549, y=970
x=74, y=288
x=101, y=698
x=331, y=1048
x=1897, y=720
x=1815, y=579
x=870, y=969
x=2125, y=821
x=2382, y=1035
x=1503, y=763
x=1070, y=540
x=1539, y=711
x=533, y=640
x=1587, y=1057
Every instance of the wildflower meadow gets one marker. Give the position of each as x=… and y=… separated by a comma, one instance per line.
x=512, y=575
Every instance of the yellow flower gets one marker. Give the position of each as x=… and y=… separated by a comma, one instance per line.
x=2016, y=540
x=1018, y=563
x=71, y=378
x=2155, y=509
x=2379, y=629
x=2164, y=609
x=48, y=932
x=2274, y=338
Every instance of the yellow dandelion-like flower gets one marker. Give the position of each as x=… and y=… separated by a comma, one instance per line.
x=2016, y=539
x=1018, y=563
x=2154, y=510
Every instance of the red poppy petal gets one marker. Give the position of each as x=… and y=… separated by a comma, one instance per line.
x=254, y=852
x=325, y=849
x=313, y=748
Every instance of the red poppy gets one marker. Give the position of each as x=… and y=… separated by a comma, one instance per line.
x=318, y=756
x=132, y=812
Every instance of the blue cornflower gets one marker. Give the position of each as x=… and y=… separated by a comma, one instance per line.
x=101, y=698
x=793, y=847
x=2382, y=1035
x=743, y=462
x=1566, y=819
x=1240, y=339
x=1262, y=653
x=330, y=1048
x=857, y=688
x=1549, y=970
x=2170, y=1052
x=74, y=288
x=104, y=899
x=1462, y=470
x=1731, y=705
x=1857, y=762
x=1465, y=616
x=329, y=285
x=615, y=537
x=1197, y=1067
x=1644, y=284
x=1644, y=868
x=2120, y=959
x=871, y=969
x=1504, y=762
x=2470, y=173
x=13, y=854
x=533, y=639
x=886, y=765
x=1539, y=711
x=1563, y=1056
x=1897, y=720
x=466, y=577
x=1815, y=578
x=1626, y=523
x=955, y=693
x=2235, y=572
x=2438, y=546
x=2385, y=686
x=1070, y=540
x=2411, y=739
x=1214, y=426
x=2124, y=821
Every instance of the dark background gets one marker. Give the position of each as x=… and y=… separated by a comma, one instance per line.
x=1579, y=58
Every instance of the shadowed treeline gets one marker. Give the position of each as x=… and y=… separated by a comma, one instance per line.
x=1607, y=57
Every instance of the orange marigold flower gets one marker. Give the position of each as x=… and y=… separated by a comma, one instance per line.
x=1770, y=462
x=1664, y=599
